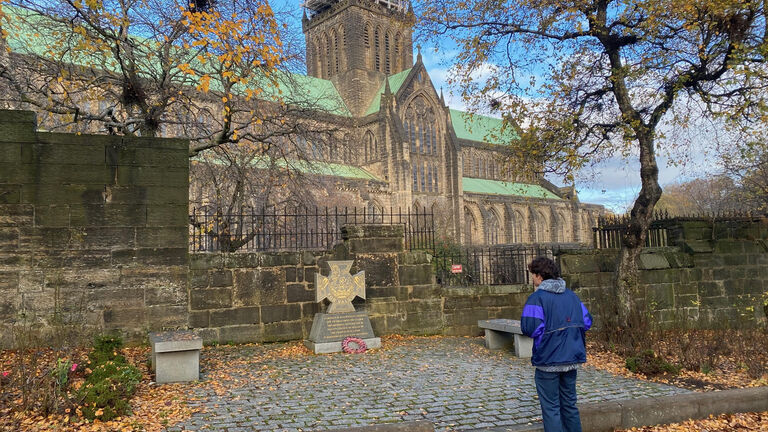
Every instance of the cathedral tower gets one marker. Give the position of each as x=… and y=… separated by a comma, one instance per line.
x=356, y=43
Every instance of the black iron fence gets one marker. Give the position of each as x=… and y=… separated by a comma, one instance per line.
x=497, y=265
x=610, y=229
x=293, y=229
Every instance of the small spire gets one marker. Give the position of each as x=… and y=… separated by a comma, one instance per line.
x=387, y=90
x=418, y=53
x=442, y=98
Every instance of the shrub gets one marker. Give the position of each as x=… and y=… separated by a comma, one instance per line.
x=650, y=364
x=112, y=382
x=108, y=389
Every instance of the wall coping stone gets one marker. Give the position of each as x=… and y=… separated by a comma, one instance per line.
x=372, y=231
x=698, y=246
x=456, y=291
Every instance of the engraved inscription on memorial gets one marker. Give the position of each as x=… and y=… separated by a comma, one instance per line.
x=341, y=326
x=340, y=287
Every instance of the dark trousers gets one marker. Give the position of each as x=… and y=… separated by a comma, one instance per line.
x=557, y=396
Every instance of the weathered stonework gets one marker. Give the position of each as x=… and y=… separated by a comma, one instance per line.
x=712, y=277
x=92, y=229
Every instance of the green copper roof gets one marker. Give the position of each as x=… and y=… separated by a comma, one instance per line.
x=319, y=168
x=308, y=92
x=305, y=167
x=495, y=187
x=476, y=127
x=395, y=82
x=330, y=169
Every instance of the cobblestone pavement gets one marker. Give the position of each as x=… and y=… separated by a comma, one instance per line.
x=455, y=383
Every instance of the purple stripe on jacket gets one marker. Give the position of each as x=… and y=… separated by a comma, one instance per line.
x=533, y=311
x=587, y=318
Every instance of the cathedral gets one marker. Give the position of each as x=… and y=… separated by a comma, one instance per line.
x=396, y=144
x=413, y=150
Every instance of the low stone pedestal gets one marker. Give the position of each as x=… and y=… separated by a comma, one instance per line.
x=329, y=330
x=175, y=356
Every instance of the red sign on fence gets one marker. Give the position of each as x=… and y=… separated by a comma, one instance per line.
x=456, y=268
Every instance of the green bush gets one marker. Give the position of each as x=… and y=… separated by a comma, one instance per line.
x=650, y=364
x=112, y=382
x=107, y=391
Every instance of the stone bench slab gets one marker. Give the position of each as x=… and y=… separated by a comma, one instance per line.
x=175, y=341
x=505, y=333
x=501, y=324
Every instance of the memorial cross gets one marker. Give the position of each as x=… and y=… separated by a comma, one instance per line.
x=340, y=287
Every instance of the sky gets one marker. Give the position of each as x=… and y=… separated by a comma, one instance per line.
x=614, y=184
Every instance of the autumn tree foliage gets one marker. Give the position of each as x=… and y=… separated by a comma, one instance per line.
x=713, y=195
x=749, y=165
x=594, y=79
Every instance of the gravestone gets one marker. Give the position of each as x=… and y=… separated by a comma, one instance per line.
x=341, y=320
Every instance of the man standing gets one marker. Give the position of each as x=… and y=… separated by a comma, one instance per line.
x=556, y=319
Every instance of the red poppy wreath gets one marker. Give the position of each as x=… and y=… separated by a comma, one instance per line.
x=353, y=345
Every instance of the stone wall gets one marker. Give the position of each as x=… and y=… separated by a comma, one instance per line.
x=92, y=228
x=271, y=296
x=710, y=278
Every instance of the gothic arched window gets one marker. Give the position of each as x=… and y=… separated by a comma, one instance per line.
x=412, y=134
x=377, y=49
x=419, y=122
x=429, y=178
x=397, y=63
x=517, y=227
x=371, y=151
x=334, y=60
x=319, y=56
x=387, y=59
x=422, y=134
x=327, y=45
x=492, y=229
x=541, y=228
x=341, y=44
x=469, y=226
x=437, y=185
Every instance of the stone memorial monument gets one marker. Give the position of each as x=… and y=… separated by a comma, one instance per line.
x=341, y=320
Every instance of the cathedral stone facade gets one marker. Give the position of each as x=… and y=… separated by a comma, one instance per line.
x=410, y=150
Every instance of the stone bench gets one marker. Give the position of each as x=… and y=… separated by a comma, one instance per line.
x=175, y=356
x=504, y=333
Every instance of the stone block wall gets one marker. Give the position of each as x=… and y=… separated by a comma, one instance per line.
x=263, y=297
x=92, y=228
x=711, y=278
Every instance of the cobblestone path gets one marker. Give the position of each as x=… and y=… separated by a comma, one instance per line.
x=454, y=383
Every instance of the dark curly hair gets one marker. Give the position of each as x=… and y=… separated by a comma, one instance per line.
x=544, y=267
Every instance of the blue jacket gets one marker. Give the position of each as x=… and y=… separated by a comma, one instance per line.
x=556, y=319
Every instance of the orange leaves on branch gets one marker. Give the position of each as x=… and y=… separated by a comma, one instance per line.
x=242, y=46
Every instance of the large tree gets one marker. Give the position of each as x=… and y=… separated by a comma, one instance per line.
x=593, y=79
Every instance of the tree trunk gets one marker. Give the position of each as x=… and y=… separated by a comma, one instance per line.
x=626, y=283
